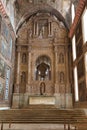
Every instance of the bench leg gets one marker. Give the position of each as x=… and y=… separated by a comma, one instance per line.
x=68, y=126
x=64, y=126
x=1, y=126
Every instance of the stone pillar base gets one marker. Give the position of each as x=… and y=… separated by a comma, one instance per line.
x=26, y=99
x=15, y=102
x=63, y=100
x=69, y=102
x=28, y=88
x=20, y=100
x=56, y=88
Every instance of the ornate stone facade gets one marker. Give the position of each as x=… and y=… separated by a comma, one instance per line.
x=42, y=67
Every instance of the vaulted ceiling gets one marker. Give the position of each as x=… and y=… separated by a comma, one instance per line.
x=27, y=8
x=24, y=9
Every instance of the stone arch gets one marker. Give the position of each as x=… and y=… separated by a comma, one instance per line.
x=44, y=56
x=43, y=68
x=41, y=9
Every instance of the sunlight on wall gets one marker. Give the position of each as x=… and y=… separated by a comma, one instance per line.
x=4, y=108
x=84, y=25
x=86, y=67
x=73, y=39
x=73, y=12
x=76, y=84
x=74, y=48
x=86, y=61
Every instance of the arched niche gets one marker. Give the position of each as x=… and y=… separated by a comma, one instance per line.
x=43, y=68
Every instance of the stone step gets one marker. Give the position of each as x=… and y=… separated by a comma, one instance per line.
x=43, y=114
x=40, y=107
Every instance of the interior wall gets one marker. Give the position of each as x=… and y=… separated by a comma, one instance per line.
x=7, y=47
x=79, y=61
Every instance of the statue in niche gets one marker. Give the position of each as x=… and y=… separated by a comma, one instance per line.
x=41, y=32
x=42, y=88
x=30, y=33
x=43, y=28
x=23, y=77
x=61, y=77
x=24, y=58
x=61, y=58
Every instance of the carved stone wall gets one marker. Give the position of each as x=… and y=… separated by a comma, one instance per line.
x=42, y=36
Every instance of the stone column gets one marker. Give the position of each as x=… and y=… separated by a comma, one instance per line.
x=28, y=88
x=56, y=94
x=34, y=29
x=16, y=95
x=17, y=85
x=56, y=70
x=49, y=28
x=68, y=89
x=67, y=70
x=37, y=29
